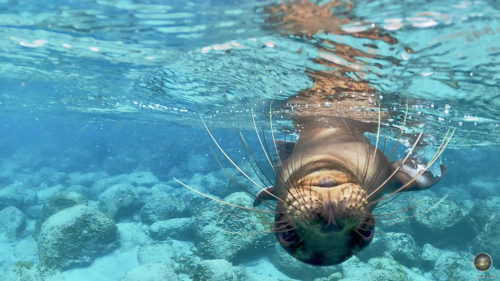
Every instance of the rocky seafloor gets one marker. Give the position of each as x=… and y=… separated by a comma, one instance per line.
x=73, y=225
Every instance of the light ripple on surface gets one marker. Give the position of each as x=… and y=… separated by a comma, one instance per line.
x=202, y=58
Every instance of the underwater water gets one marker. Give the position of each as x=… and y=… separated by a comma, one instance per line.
x=100, y=106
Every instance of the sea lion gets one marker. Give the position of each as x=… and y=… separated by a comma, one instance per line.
x=327, y=188
x=328, y=183
x=330, y=180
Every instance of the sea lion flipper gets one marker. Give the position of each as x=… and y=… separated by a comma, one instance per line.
x=264, y=194
x=408, y=172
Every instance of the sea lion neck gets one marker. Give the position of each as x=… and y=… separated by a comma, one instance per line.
x=333, y=149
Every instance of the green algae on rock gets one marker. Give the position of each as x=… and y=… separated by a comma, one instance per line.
x=56, y=203
x=75, y=237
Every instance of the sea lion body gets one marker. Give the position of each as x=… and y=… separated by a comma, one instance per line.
x=326, y=186
x=331, y=179
x=328, y=177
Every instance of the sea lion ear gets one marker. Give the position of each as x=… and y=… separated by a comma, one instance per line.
x=285, y=148
x=264, y=194
x=408, y=172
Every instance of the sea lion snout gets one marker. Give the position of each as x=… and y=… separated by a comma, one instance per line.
x=334, y=196
x=320, y=218
x=327, y=201
x=339, y=208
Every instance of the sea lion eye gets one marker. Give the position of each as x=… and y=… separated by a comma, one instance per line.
x=366, y=234
x=327, y=182
x=367, y=229
x=288, y=237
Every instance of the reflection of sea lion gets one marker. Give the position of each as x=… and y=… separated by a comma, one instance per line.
x=327, y=188
x=329, y=182
x=338, y=88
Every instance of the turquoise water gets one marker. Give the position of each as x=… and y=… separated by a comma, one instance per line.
x=103, y=99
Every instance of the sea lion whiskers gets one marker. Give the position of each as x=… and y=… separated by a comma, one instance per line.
x=239, y=218
x=420, y=213
x=357, y=152
x=250, y=155
x=291, y=181
x=367, y=165
x=440, y=150
x=376, y=143
x=293, y=186
x=372, y=233
x=266, y=149
x=232, y=179
x=288, y=191
x=261, y=144
x=276, y=148
x=271, y=222
x=284, y=242
x=228, y=213
x=302, y=174
x=247, y=233
x=375, y=149
x=366, y=225
x=382, y=216
x=234, y=164
x=400, y=132
x=295, y=182
x=283, y=226
x=247, y=149
x=402, y=210
x=390, y=216
x=272, y=132
x=398, y=168
x=222, y=201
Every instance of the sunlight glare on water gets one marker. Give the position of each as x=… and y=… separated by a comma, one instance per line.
x=199, y=57
x=183, y=59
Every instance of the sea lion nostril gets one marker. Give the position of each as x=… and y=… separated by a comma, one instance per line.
x=328, y=219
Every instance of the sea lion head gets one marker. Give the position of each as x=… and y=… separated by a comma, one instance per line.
x=325, y=217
